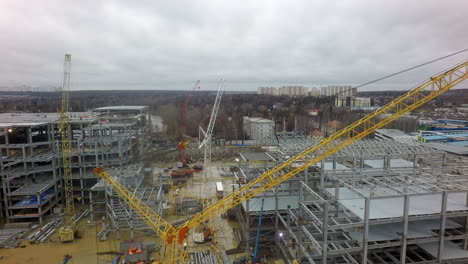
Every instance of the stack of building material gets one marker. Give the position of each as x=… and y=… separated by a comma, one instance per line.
x=11, y=234
x=41, y=235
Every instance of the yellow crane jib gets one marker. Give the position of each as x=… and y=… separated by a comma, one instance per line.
x=406, y=103
x=174, y=247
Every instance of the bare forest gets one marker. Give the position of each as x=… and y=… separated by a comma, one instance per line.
x=289, y=113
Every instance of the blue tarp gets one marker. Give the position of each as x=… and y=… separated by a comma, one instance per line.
x=448, y=137
x=459, y=143
x=32, y=200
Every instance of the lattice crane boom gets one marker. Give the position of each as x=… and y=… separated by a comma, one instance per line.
x=67, y=231
x=214, y=113
x=174, y=251
x=406, y=103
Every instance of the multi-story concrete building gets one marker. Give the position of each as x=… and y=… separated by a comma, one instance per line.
x=294, y=91
x=30, y=154
x=268, y=90
x=257, y=128
x=288, y=91
x=314, y=92
x=337, y=90
x=353, y=101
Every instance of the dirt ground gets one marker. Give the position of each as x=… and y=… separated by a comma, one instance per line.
x=88, y=249
x=83, y=250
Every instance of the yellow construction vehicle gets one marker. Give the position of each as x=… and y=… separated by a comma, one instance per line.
x=174, y=236
x=67, y=231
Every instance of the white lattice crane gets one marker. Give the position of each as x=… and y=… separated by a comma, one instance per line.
x=207, y=135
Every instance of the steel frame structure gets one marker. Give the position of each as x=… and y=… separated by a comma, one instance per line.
x=427, y=173
x=437, y=85
x=34, y=158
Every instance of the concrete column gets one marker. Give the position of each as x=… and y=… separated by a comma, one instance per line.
x=96, y=154
x=23, y=150
x=322, y=179
x=365, y=238
x=91, y=205
x=443, y=216
x=132, y=231
x=404, y=236
x=300, y=221
x=30, y=140
x=247, y=224
x=325, y=232
x=38, y=197
x=337, y=197
x=104, y=233
x=7, y=141
x=276, y=218
x=5, y=197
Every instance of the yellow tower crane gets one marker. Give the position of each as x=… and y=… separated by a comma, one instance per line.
x=175, y=251
x=67, y=231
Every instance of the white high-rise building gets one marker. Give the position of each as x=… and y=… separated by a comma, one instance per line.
x=314, y=92
x=268, y=90
x=293, y=90
x=337, y=90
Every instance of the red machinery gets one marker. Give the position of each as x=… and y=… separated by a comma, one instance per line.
x=182, y=146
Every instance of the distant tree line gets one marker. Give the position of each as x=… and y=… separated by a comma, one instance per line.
x=289, y=113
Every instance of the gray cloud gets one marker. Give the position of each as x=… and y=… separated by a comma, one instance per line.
x=170, y=44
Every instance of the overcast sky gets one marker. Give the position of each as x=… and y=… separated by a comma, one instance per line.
x=170, y=44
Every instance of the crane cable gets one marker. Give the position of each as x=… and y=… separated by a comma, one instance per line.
x=403, y=71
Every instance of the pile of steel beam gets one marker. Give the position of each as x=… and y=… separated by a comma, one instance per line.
x=41, y=235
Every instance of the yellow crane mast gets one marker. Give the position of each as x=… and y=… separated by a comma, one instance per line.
x=67, y=231
x=406, y=103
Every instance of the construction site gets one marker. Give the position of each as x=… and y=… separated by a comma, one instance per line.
x=83, y=187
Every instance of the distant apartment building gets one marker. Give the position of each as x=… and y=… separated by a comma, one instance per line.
x=353, y=101
x=257, y=128
x=343, y=91
x=314, y=92
x=26, y=88
x=294, y=91
x=268, y=90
